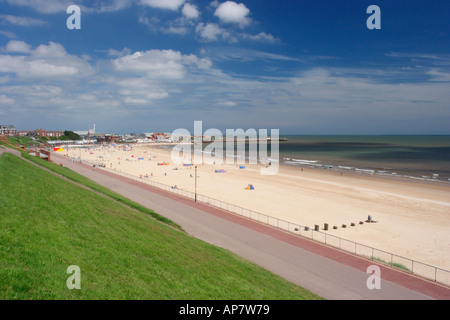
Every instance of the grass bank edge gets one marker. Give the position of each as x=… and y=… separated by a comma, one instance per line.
x=73, y=176
x=35, y=258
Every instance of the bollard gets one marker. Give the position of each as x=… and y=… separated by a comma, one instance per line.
x=316, y=227
x=325, y=226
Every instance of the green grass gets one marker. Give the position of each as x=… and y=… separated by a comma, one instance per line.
x=71, y=175
x=48, y=224
x=13, y=140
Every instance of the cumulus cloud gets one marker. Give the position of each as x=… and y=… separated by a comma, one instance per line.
x=190, y=11
x=232, y=12
x=43, y=62
x=211, y=32
x=159, y=64
x=17, y=46
x=163, y=4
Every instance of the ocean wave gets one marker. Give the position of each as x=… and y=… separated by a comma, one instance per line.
x=306, y=161
x=365, y=170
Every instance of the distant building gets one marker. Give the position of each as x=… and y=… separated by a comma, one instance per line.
x=108, y=138
x=88, y=134
x=54, y=133
x=50, y=134
x=8, y=130
x=158, y=136
x=24, y=133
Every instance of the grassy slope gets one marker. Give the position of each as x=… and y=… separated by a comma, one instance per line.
x=48, y=224
x=72, y=175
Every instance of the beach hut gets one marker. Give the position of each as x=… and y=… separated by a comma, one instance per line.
x=250, y=187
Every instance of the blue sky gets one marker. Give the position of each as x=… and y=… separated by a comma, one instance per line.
x=303, y=66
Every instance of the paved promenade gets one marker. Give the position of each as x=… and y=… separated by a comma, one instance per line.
x=330, y=273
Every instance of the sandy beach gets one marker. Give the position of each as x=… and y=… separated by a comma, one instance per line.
x=413, y=217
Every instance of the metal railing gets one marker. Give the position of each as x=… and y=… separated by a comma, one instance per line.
x=414, y=267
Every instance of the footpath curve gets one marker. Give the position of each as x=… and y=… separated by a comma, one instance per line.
x=330, y=273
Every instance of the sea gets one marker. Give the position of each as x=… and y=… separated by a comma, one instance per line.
x=419, y=157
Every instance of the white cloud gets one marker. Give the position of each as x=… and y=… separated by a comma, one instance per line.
x=160, y=64
x=22, y=21
x=115, y=5
x=211, y=32
x=44, y=6
x=33, y=91
x=8, y=34
x=139, y=90
x=228, y=103
x=163, y=4
x=232, y=12
x=190, y=11
x=45, y=62
x=261, y=37
x=175, y=30
x=4, y=100
x=117, y=53
x=52, y=50
x=18, y=46
x=439, y=76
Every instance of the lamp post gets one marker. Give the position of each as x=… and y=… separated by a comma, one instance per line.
x=195, y=184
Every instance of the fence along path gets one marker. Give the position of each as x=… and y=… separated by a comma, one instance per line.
x=412, y=266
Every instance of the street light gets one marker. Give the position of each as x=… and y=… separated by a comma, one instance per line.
x=195, y=183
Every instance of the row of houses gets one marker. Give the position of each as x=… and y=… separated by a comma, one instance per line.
x=90, y=135
x=10, y=130
x=42, y=133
